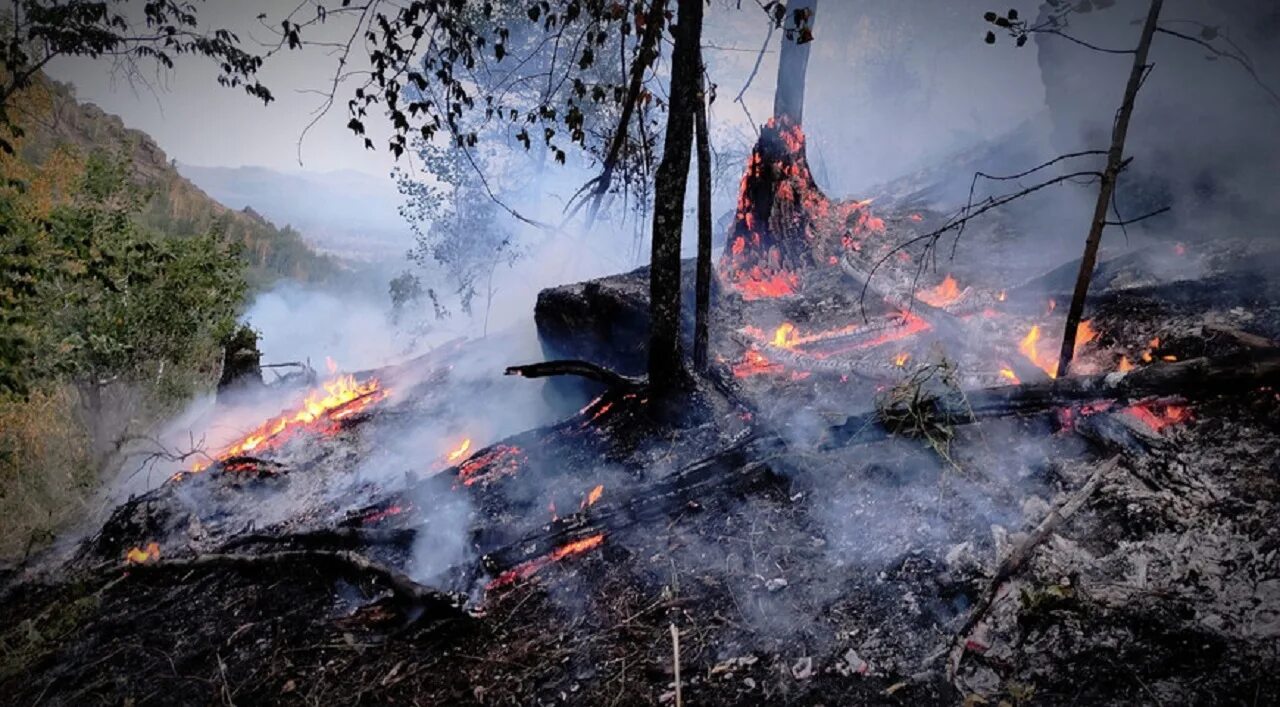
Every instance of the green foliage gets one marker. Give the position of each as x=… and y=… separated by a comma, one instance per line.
x=94, y=298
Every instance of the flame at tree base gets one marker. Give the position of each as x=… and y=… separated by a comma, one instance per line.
x=779, y=216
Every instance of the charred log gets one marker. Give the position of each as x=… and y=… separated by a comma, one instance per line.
x=1192, y=379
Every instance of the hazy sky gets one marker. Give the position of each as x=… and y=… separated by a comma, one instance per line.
x=890, y=81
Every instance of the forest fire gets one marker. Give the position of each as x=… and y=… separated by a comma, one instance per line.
x=337, y=400
x=142, y=555
x=532, y=567
x=459, y=452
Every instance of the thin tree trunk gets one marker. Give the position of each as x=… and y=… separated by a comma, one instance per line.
x=1115, y=162
x=644, y=58
x=793, y=61
x=665, y=367
x=702, y=286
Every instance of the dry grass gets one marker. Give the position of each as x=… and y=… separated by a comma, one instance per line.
x=46, y=469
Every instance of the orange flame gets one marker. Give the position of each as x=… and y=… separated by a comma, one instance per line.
x=530, y=568
x=593, y=496
x=342, y=398
x=142, y=555
x=1008, y=374
x=1030, y=347
x=456, y=454
x=1125, y=365
x=942, y=295
x=901, y=359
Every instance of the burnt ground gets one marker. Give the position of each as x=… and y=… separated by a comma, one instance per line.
x=794, y=574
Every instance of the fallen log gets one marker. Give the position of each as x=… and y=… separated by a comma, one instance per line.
x=1191, y=379
x=738, y=466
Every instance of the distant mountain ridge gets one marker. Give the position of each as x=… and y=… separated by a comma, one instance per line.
x=347, y=213
x=177, y=207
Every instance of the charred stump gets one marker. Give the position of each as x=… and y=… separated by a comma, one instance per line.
x=777, y=206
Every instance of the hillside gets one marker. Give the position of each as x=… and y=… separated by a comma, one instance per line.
x=349, y=214
x=177, y=207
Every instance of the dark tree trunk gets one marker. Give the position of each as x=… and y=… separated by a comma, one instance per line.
x=1115, y=162
x=702, y=286
x=793, y=62
x=670, y=181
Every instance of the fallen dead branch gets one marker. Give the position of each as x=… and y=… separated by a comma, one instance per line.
x=582, y=369
x=1019, y=556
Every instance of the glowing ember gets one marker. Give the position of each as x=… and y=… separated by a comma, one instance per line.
x=530, y=568
x=340, y=399
x=382, y=514
x=753, y=364
x=901, y=359
x=593, y=496
x=1179, y=249
x=457, y=454
x=142, y=555
x=485, y=467
x=944, y=294
x=1125, y=365
x=1157, y=416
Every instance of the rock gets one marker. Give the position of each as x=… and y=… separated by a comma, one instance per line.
x=802, y=669
x=775, y=584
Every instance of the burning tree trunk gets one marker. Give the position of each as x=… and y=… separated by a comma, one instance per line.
x=668, y=208
x=778, y=199
x=702, y=286
x=1115, y=162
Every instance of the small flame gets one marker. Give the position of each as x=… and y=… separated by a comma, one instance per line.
x=456, y=454
x=593, y=496
x=942, y=295
x=530, y=568
x=1000, y=297
x=784, y=337
x=901, y=359
x=1125, y=365
x=1029, y=346
x=142, y=555
x=1008, y=374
